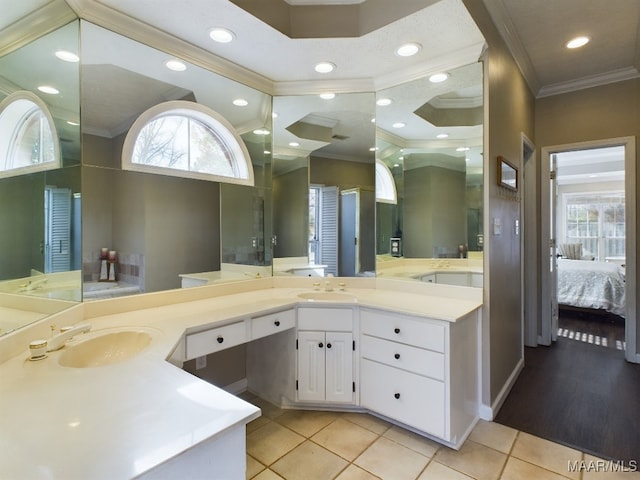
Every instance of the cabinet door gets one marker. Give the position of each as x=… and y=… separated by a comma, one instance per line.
x=339, y=367
x=311, y=366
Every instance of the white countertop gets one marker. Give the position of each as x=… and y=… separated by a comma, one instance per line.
x=120, y=420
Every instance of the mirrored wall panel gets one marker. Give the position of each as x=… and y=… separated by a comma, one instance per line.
x=324, y=184
x=40, y=187
x=164, y=231
x=429, y=138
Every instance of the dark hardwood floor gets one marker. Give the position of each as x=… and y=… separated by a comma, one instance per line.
x=580, y=391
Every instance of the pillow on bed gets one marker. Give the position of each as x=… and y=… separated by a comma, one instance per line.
x=572, y=251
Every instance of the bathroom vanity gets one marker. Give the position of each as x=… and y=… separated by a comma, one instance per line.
x=408, y=352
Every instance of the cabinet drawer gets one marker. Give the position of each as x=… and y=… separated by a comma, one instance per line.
x=419, y=333
x=272, y=323
x=327, y=319
x=406, y=357
x=411, y=399
x=216, y=339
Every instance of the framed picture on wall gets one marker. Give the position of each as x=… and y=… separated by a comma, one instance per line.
x=507, y=174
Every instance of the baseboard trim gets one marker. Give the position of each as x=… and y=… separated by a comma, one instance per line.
x=487, y=412
x=237, y=388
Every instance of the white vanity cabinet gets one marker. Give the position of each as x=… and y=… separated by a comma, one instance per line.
x=421, y=372
x=325, y=355
x=215, y=339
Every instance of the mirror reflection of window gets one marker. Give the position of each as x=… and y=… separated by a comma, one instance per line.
x=187, y=139
x=27, y=135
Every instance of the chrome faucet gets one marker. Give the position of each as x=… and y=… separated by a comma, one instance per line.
x=58, y=341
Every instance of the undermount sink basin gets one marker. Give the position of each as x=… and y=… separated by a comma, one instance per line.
x=327, y=296
x=105, y=349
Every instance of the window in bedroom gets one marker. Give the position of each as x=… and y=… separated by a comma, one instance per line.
x=186, y=139
x=597, y=220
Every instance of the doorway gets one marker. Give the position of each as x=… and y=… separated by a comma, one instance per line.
x=579, y=180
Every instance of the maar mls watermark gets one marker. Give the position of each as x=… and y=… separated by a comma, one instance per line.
x=602, y=466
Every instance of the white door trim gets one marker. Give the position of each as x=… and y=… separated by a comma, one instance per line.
x=631, y=352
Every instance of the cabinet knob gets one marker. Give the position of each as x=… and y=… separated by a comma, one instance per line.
x=328, y=345
x=320, y=345
x=396, y=395
x=397, y=356
x=277, y=323
x=220, y=339
x=396, y=330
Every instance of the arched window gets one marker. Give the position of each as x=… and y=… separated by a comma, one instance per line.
x=186, y=139
x=28, y=137
x=385, y=185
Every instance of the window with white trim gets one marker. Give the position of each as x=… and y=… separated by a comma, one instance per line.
x=385, y=184
x=186, y=139
x=28, y=137
x=597, y=221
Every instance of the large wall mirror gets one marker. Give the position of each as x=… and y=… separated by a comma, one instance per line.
x=40, y=243
x=429, y=137
x=166, y=231
x=324, y=184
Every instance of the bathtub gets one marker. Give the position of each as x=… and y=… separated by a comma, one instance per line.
x=99, y=290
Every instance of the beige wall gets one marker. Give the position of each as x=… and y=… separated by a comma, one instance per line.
x=433, y=227
x=509, y=112
x=291, y=204
x=344, y=174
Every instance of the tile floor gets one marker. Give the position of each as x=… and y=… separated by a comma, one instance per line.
x=314, y=445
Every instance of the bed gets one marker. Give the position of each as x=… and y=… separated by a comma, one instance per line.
x=591, y=284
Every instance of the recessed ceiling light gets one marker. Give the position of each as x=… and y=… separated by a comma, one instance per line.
x=324, y=67
x=73, y=124
x=67, y=56
x=408, y=49
x=398, y=125
x=577, y=42
x=400, y=158
x=327, y=96
x=294, y=144
x=267, y=152
x=373, y=149
x=462, y=149
x=175, y=65
x=396, y=165
x=240, y=102
x=274, y=114
x=438, y=77
x=442, y=135
x=48, y=89
x=383, y=102
x=373, y=120
x=261, y=131
x=467, y=159
x=221, y=35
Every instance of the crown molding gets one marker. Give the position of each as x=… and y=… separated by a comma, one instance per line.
x=45, y=19
x=95, y=12
x=508, y=32
x=613, y=76
x=316, y=87
x=442, y=63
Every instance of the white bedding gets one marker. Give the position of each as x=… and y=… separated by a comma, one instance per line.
x=588, y=284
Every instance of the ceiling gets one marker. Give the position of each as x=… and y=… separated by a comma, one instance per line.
x=278, y=42
x=535, y=30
